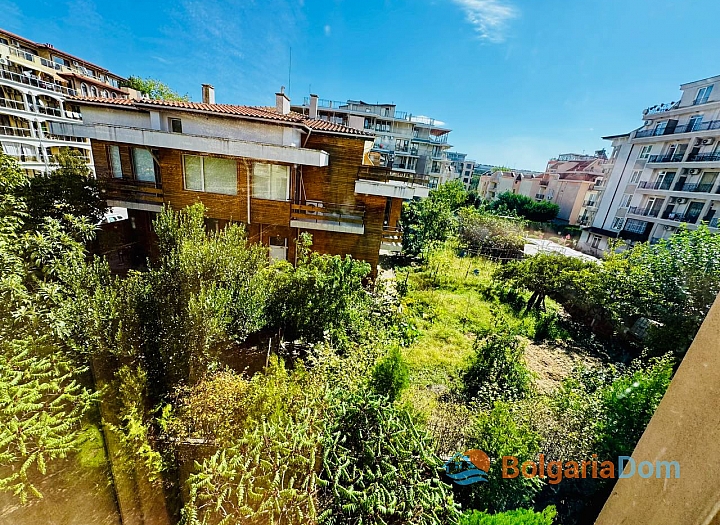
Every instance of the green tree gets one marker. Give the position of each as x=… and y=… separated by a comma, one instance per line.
x=673, y=283
x=43, y=396
x=379, y=468
x=513, y=203
x=70, y=189
x=431, y=220
x=155, y=89
x=390, y=376
x=544, y=274
x=490, y=235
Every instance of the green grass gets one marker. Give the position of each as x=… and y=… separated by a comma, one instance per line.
x=447, y=301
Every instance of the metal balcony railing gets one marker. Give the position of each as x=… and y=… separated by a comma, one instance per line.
x=705, y=157
x=32, y=80
x=661, y=108
x=658, y=185
x=12, y=104
x=673, y=157
x=685, y=128
x=645, y=212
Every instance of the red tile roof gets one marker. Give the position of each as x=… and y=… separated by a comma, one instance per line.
x=262, y=112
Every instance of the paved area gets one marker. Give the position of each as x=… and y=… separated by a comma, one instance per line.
x=535, y=246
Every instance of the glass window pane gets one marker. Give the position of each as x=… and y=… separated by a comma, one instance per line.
x=115, y=164
x=280, y=183
x=193, y=172
x=261, y=181
x=144, y=165
x=220, y=175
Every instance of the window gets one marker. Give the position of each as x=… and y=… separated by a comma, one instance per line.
x=625, y=201
x=93, y=91
x=645, y=152
x=105, y=93
x=84, y=90
x=115, y=164
x=617, y=223
x=271, y=182
x=635, y=226
x=175, y=125
x=635, y=177
x=143, y=165
x=703, y=95
x=210, y=174
x=595, y=242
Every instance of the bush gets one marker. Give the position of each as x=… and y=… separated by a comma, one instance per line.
x=509, y=203
x=390, y=376
x=500, y=432
x=379, y=468
x=496, y=371
x=490, y=235
x=511, y=517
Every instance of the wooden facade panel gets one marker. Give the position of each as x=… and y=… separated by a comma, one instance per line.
x=395, y=211
x=365, y=247
x=270, y=212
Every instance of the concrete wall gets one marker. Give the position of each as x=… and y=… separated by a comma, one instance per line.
x=685, y=428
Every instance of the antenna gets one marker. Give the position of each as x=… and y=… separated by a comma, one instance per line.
x=289, y=69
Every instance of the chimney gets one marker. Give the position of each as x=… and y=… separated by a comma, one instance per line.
x=313, y=105
x=282, y=102
x=208, y=94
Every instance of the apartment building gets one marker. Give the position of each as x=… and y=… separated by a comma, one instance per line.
x=461, y=167
x=407, y=143
x=665, y=173
x=278, y=172
x=36, y=81
x=495, y=182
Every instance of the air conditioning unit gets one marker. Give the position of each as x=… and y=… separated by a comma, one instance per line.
x=694, y=171
x=681, y=201
x=667, y=228
x=314, y=204
x=698, y=141
x=3, y=62
x=708, y=141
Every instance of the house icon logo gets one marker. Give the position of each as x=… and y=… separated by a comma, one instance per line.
x=471, y=466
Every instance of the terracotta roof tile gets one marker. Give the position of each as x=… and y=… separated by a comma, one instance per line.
x=263, y=112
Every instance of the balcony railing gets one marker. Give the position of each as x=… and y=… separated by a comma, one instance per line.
x=337, y=214
x=705, y=157
x=660, y=185
x=685, y=128
x=47, y=110
x=681, y=217
x=132, y=191
x=661, y=108
x=645, y=212
x=673, y=157
x=392, y=235
x=589, y=204
x=15, y=132
x=12, y=104
x=381, y=174
x=32, y=80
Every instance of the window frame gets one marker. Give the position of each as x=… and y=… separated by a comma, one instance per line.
x=271, y=165
x=171, y=122
x=618, y=223
x=203, y=182
x=111, y=165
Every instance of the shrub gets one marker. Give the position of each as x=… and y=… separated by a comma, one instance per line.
x=496, y=370
x=511, y=517
x=390, y=376
x=490, y=235
x=525, y=207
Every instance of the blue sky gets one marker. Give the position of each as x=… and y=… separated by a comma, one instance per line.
x=518, y=81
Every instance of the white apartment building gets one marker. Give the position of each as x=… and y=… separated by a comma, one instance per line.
x=406, y=142
x=35, y=81
x=462, y=168
x=665, y=173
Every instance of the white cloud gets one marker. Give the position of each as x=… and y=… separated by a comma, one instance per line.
x=490, y=17
x=327, y=30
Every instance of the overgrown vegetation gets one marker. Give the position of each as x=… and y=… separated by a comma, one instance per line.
x=154, y=89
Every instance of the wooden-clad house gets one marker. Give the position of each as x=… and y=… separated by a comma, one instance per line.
x=278, y=172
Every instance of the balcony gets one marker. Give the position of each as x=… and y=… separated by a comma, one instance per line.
x=672, y=157
x=391, y=239
x=661, y=108
x=33, y=81
x=660, y=185
x=681, y=217
x=705, y=157
x=645, y=212
x=590, y=204
x=385, y=182
x=15, y=132
x=12, y=104
x=328, y=217
x=119, y=192
x=685, y=128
